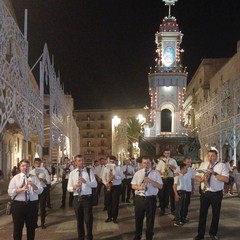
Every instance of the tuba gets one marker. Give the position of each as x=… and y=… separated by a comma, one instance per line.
x=109, y=180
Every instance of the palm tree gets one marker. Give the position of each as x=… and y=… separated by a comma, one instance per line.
x=134, y=131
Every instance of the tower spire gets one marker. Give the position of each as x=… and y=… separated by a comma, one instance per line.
x=169, y=3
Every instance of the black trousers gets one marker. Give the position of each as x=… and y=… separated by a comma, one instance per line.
x=48, y=200
x=207, y=199
x=144, y=206
x=83, y=212
x=187, y=203
x=112, y=201
x=24, y=213
x=180, y=207
x=126, y=186
x=64, y=193
x=167, y=192
x=42, y=205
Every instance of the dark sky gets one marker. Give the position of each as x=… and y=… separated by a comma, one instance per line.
x=104, y=48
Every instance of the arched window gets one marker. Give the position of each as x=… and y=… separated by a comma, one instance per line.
x=166, y=120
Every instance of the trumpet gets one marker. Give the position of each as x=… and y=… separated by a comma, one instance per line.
x=109, y=180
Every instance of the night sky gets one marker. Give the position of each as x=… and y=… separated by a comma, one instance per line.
x=104, y=48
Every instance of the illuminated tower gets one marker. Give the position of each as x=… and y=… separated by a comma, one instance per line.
x=167, y=81
x=167, y=84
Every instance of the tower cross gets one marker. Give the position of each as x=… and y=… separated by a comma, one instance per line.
x=169, y=3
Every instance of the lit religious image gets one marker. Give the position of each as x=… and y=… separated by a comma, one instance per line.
x=168, y=56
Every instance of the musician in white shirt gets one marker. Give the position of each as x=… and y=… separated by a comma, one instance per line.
x=25, y=188
x=45, y=179
x=212, y=175
x=112, y=179
x=98, y=171
x=167, y=167
x=81, y=182
x=146, y=182
x=128, y=172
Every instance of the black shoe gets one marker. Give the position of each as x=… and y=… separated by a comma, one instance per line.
x=108, y=220
x=162, y=212
x=185, y=220
x=62, y=206
x=198, y=238
x=127, y=201
x=115, y=221
x=214, y=237
x=173, y=213
x=36, y=226
x=43, y=226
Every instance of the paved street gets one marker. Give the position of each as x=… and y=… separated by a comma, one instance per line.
x=61, y=224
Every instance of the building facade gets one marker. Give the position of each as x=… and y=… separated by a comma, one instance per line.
x=212, y=106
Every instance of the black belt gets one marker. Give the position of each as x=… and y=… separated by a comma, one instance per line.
x=146, y=197
x=83, y=196
x=217, y=192
x=181, y=191
x=25, y=202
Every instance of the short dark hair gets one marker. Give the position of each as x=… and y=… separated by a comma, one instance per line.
x=37, y=160
x=24, y=161
x=78, y=156
x=213, y=151
x=182, y=165
x=113, y=158
x=186, y=157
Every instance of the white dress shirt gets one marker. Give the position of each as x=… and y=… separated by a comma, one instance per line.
x=86, y=188
x=18, y=181
x=99, y=170
x=116, y=171
x=219, y=168
x=138, y=180
x=181, y=182
x=129, y=169
x=162, y=163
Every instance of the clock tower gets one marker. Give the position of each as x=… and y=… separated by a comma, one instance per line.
x=167, y=84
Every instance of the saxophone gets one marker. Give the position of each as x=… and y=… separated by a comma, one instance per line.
x=166, y=169
x=206, y=177
x=109, y=180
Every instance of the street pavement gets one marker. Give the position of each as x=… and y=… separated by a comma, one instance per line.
x=61, y=223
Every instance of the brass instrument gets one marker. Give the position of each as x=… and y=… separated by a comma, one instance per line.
x=109, y=180
x=166, y=169
x=206, y=178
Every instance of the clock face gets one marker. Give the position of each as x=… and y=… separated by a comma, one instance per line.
x=168, y=56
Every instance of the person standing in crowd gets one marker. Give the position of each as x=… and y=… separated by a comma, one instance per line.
x=98, y=171
x=190, y=182
x=24, y=188
x=81, y=183
x=146, y=182
x=236, y=173
x=15, y=170
x=167, y=167
x=66, y=169
x=179, y=188
x=45, y=179
x=112, y=179
x=128, y=172
x=212, y=175
x=48, y=188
